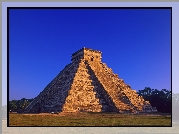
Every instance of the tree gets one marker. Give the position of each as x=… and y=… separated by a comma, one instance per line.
x=159, y=99
x=17, y=105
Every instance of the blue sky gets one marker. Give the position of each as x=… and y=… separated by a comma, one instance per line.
x=135, y=43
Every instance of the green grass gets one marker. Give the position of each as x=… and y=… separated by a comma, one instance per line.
x=88, y=119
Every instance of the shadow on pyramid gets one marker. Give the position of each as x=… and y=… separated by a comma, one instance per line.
x=88, y=85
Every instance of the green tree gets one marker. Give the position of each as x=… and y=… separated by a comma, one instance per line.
x=159, y=99
x=18, y=105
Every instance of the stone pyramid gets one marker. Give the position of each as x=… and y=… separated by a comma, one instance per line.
x=87, y=85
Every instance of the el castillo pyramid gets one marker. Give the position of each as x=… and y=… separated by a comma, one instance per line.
x=88, y=85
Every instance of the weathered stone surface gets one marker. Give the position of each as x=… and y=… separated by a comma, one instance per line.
x=88, y=85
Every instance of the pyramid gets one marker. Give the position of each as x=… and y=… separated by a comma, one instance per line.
x=88, y=85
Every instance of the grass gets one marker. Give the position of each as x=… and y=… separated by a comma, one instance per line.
x=88, y=119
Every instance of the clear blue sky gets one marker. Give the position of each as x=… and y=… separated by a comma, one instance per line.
x=135, y=43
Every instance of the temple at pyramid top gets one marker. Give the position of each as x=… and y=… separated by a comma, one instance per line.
x=87, y=54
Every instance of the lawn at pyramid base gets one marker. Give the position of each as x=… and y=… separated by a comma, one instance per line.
x=88, y=85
